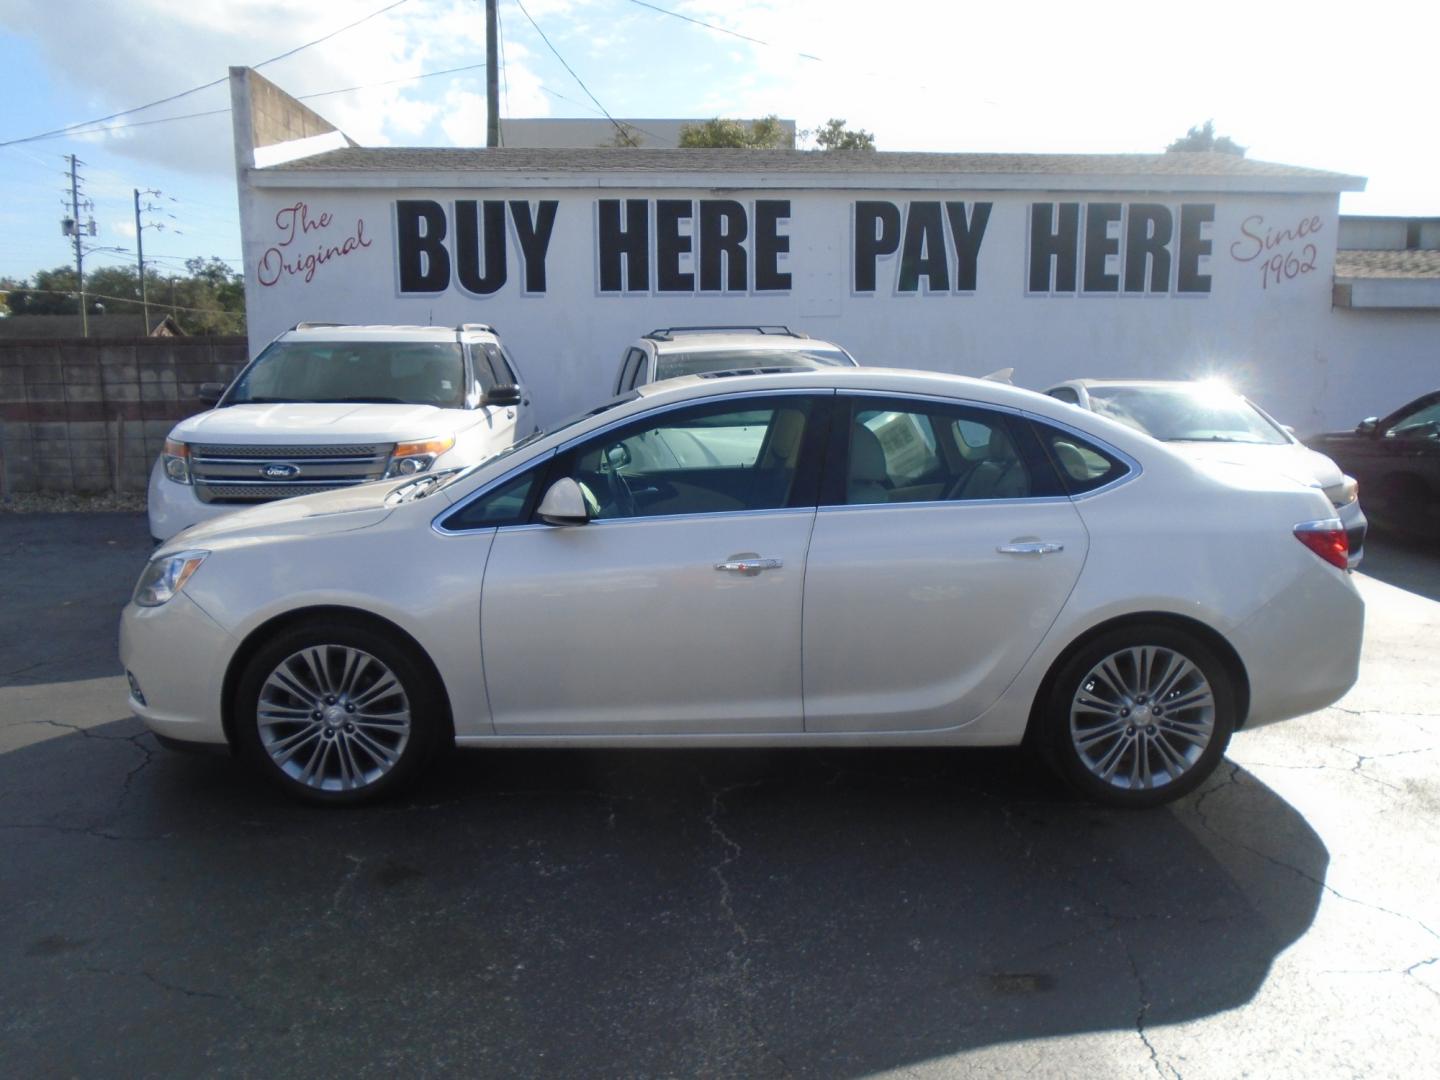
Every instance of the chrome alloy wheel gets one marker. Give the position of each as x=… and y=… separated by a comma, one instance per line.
x=1142, y=717
x=333, y=718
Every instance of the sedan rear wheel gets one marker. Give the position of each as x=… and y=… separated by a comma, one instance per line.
x=1140, y=716
x=337, y=714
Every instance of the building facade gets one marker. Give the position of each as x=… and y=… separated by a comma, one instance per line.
x=1060, y=266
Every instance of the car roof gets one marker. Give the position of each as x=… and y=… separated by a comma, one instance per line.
x=380, y=332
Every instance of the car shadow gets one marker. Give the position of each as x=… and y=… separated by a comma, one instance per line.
x=619, y=913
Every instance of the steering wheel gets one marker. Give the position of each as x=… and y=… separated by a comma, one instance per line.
x=620, y=493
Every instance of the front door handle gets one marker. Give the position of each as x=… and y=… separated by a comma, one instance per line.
x=1035, y=547
x=749, y=564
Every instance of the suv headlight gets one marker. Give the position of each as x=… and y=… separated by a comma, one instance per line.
x=409, y=458
x=166, y=576
x=1343, y=493
x=175, y=461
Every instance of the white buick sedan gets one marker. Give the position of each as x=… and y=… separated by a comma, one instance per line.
x=843, y=557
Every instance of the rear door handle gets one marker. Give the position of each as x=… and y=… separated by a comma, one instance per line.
x=1035, y=547
x=749, y=565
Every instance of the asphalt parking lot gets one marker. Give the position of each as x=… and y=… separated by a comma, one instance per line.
x=741, y=913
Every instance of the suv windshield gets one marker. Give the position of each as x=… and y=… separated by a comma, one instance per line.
x=1186, y=414
x=386, y=372
x=673, y=365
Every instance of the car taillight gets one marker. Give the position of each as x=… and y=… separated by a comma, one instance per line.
x=1327, y=539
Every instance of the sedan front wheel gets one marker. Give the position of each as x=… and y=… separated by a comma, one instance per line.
x=337, y=713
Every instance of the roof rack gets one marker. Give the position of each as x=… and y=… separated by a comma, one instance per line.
x=475, y=328
x=665, y=333
x=729, y=373
x=316, y=325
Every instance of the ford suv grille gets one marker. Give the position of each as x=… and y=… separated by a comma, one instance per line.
x=250, y=474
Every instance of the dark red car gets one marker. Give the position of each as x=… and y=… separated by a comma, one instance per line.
x=1397, y=461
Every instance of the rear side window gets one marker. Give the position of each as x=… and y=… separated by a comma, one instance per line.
x=1082, y=465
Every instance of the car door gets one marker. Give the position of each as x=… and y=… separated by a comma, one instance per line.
x=676, y=608
x=942, y=552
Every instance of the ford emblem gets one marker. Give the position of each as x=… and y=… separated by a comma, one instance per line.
x=279, y=470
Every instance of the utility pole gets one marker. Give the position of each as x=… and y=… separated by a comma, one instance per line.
x=492, y=77
x=75, y=230
x=140, y=228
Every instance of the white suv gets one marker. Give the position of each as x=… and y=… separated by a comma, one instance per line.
x=677, y=351
x=327, y=406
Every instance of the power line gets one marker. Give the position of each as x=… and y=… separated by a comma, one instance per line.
x=623, y=133
x=719, y=29
x=206, y=86
x=124, y=300
x=221, y=112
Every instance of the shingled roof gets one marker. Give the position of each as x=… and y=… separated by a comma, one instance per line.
x=1387, y=264
x=624, y=159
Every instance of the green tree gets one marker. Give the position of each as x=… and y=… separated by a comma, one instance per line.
x=766, y=133
x=834, y=135
x=51, y=292
x=209, y=298
x=1202, y=138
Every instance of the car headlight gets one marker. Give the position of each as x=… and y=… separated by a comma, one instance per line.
x=166, y=576
x=1343, y=493
x=175, y=461
x=409, y=458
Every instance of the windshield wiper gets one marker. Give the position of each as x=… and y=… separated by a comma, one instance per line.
x=1219, y=439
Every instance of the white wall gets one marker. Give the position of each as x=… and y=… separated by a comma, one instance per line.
x=1277, y=339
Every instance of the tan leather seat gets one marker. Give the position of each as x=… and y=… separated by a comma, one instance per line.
x=868, y=478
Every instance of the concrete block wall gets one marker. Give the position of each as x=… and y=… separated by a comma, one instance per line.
x=92, y=415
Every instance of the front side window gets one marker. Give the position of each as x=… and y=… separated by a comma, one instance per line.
x=718, y=458
x=379, y=372
x=500, y=365
x=507, y=504
x=909, y=452
x=1423, y=422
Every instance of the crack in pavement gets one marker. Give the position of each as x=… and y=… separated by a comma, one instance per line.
x=163, y=984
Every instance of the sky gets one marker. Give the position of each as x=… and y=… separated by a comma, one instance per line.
x=1317, y=84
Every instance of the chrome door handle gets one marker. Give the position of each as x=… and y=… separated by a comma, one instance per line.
x=749, y=565
x=1037, y=547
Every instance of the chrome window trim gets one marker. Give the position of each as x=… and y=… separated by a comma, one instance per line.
x=565, y=447
x=601, y=523
x=1134, y=467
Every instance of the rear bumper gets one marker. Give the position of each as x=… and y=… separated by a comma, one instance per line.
x=1301, y=651
x=1356, y=526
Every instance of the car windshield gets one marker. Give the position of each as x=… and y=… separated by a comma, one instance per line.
x=677, y=364
x=382, y=372
x=1187, y=414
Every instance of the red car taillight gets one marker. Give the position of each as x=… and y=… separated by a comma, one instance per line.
x=1327, y=539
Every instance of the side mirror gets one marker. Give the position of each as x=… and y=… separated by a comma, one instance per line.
x=210, y=392
x=503, y=394
x=1367, y=426
x=563, y=504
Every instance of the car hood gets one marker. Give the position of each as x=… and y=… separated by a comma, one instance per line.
x=1289, y=459
x=343, y=510
x=318, y=423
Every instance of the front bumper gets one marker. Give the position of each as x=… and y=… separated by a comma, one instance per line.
x=174, y=507
x=177, y=655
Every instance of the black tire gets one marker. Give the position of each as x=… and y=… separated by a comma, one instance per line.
x=1157, y=739
x=417, y=692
